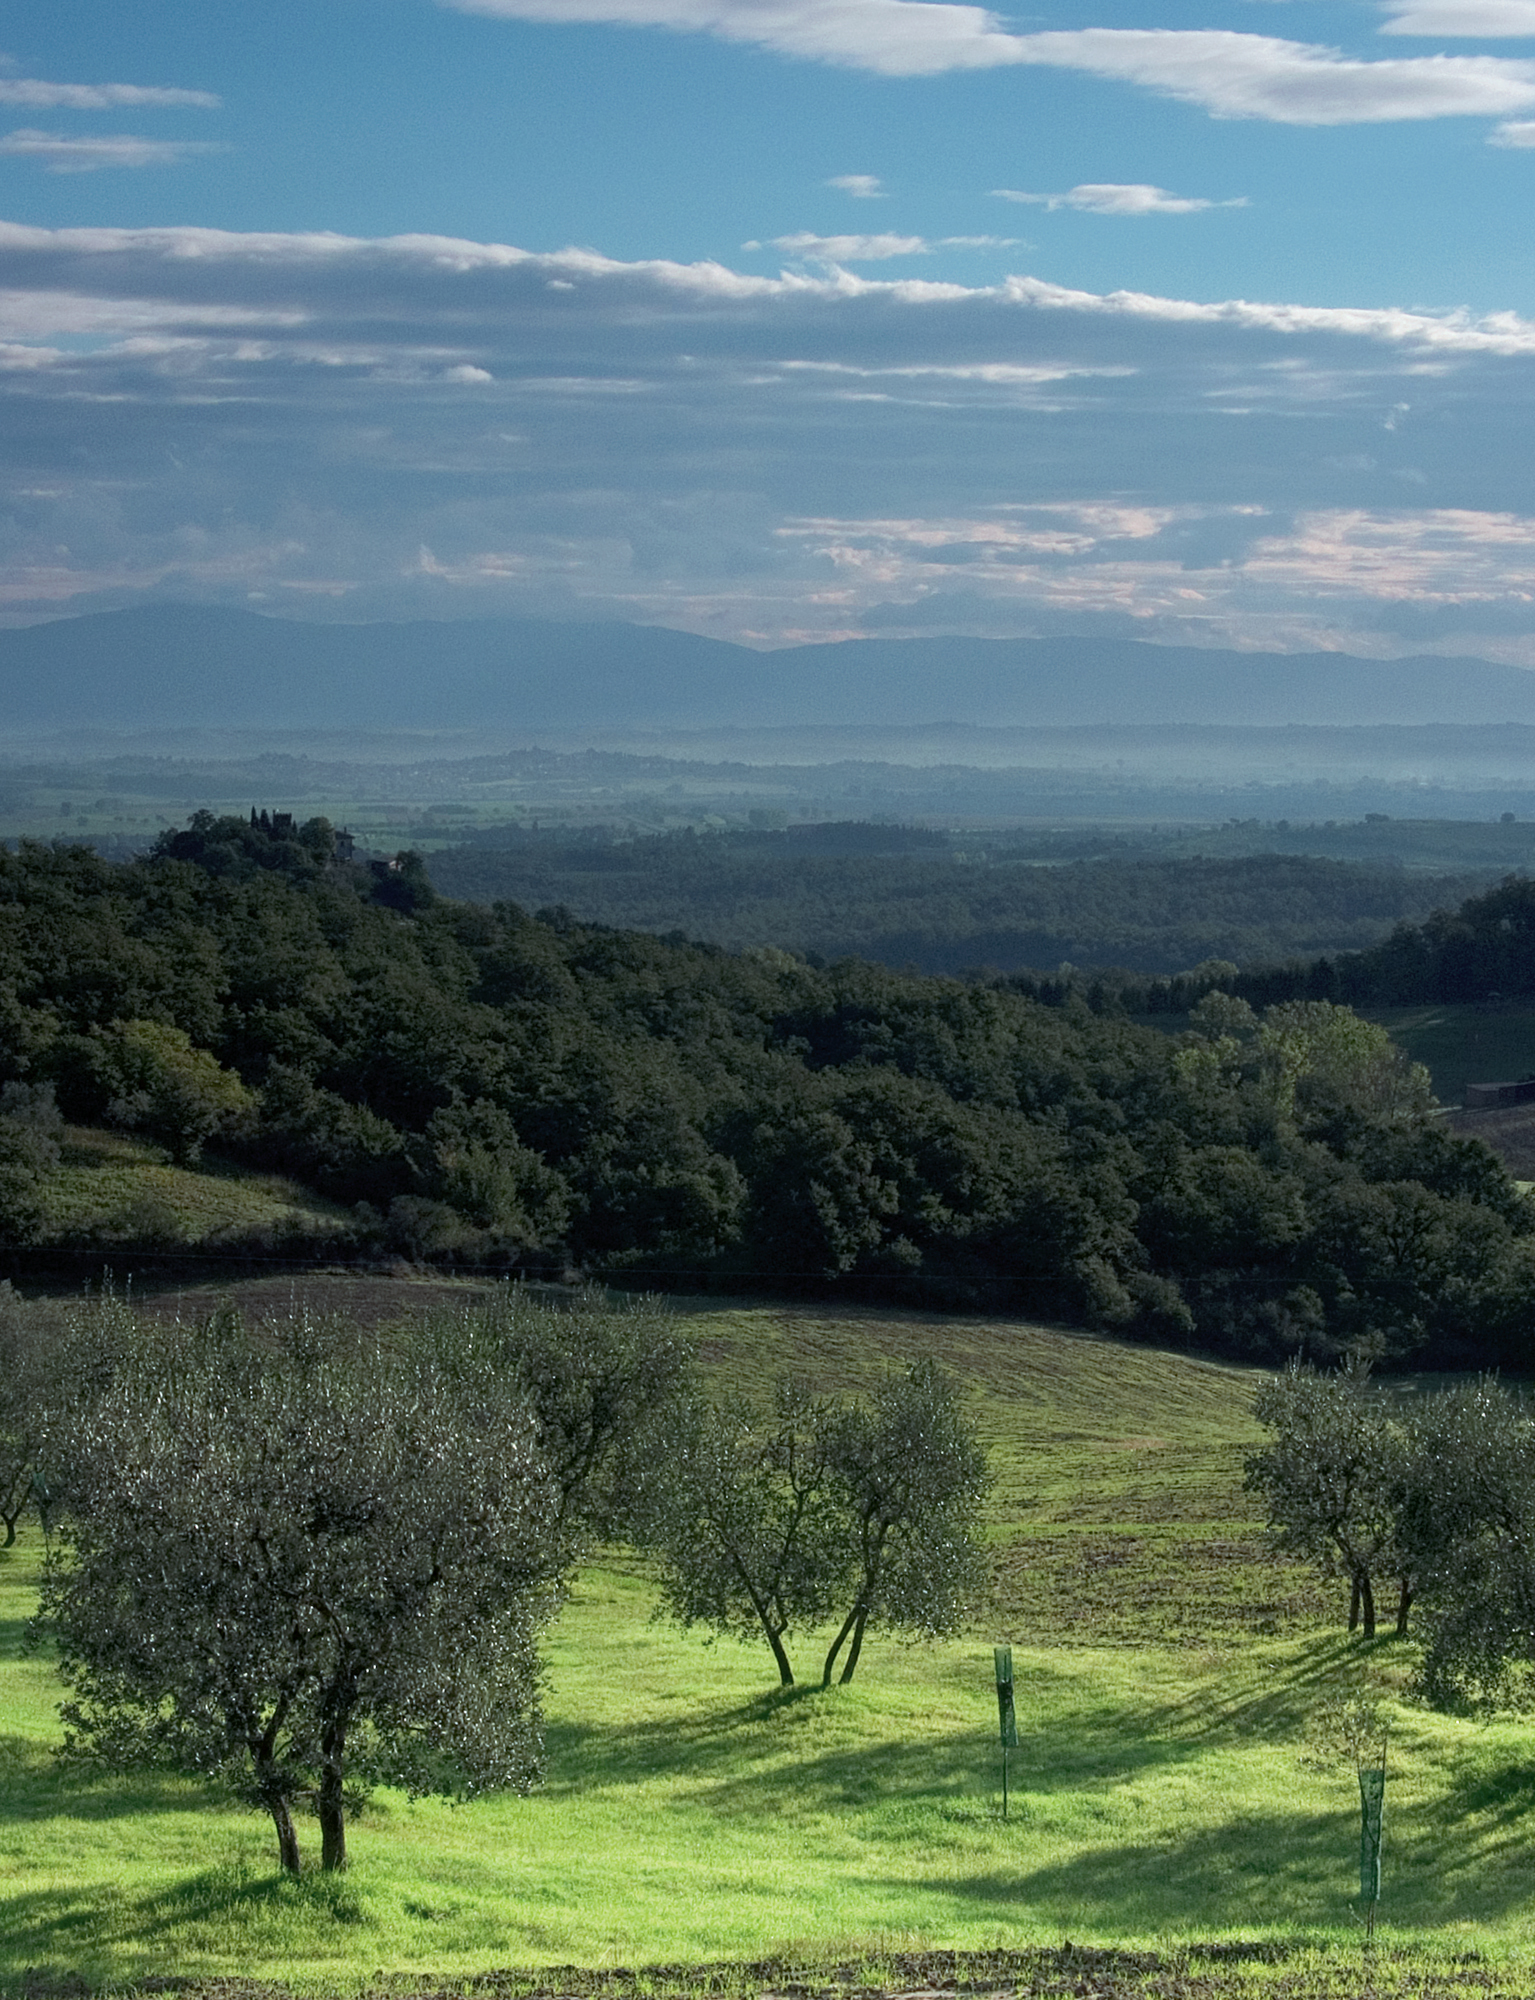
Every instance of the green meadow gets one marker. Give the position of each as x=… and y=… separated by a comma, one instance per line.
x=1170, y=1794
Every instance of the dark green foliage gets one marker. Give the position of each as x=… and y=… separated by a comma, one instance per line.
x=540, y=1095
x=154, y=1081
x=236, y=848
x=341, y=1148
x=403, y=884
x=1482, y=950
x=30, y=1127
x=1486, y=946
x=301, y=1564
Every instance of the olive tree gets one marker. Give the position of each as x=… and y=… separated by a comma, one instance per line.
x=1332, y=1477
x=909, y=1474
x=765, y=1524
x=750, y=1538
x=1468, y=1521
x=304, y=1566
x=24, y=1342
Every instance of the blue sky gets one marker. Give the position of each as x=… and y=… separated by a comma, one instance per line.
x=777, y=318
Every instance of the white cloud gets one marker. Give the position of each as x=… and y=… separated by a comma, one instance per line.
x=1453, y=332
x=1471, y=19
x=1119, y=198
x=299, y=279
x=1228, y=74
x=852, y=249
x=1071, y=529
x=874, y=249
x=862, y=187
x=61, y=154
x=1514, y=132
x=1322, y=577
x=32, y=94
x=1007, y=374
x=892, y=37
x=1291, y=83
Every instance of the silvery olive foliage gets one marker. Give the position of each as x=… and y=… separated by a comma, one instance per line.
x=910, y=1475
x=600, y=1377
x=303, y=1562
x=749, y=1533
x=24, y=1375
x=1333, y=1478
x=1468, y=1523
x=1437, y=1490
x=768, y=1524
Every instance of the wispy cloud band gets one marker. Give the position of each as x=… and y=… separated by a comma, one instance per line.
x=32, y=94
x=66, y=153
x=299, y=417
x=1462, y=19
x=1119, y=198
x=878, y=248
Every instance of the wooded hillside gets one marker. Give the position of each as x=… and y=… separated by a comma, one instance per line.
x=486, y=1087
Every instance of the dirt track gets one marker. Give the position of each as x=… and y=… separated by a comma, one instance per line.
x=1070, y=1972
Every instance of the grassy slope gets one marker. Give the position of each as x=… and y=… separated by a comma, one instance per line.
x=111, y=1187
x=1461, y=1045
x=694, y=1812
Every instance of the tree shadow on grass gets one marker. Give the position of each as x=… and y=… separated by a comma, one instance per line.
x=771, y=1754
x=1244, y=1872
x=60, y=1937
x=1277, y=1710
x=734, y=1756
x=1492, y=1809
x=622, y=1752
x=1294, y=1870
x=36, y=1785
x=13, y=1634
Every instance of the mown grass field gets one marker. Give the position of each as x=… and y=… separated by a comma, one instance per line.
x=1167, y=1792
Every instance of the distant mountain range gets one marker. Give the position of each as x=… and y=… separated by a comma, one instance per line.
x=176, y=666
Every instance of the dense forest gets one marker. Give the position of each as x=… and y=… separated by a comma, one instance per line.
x=936, y=902
x=542, y=1095
x=1484, y=950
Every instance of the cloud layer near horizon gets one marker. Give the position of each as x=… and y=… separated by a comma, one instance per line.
x=426, y=426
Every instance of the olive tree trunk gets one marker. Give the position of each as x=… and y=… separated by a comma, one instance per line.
x=332, y=1806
